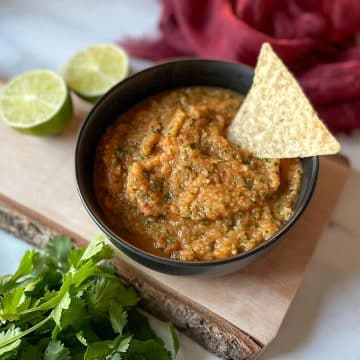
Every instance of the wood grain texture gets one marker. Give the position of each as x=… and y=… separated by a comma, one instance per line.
x=233, y=316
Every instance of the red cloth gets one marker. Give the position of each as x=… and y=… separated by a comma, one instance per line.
x=315, y=38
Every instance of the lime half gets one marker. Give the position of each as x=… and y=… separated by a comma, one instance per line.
x=94, y=70
x=36, y=102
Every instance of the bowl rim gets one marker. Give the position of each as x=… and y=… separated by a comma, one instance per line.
x=120, y=242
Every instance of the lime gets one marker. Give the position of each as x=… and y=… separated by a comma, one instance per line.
x=36, y=102
x=93, y=71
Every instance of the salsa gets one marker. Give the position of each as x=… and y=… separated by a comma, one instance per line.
x=170, y=183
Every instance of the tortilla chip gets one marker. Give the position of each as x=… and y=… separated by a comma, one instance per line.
x=276, y=120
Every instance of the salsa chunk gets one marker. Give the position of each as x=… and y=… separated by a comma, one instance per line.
x=170, y=182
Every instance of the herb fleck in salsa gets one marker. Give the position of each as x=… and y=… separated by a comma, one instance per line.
x=170, y=182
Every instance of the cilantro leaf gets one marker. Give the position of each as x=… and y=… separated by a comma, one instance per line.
x=4, y=283
x=76, y=315
x=10, y=302
x=7, y=335
x=26, y=266
x=47, y=272
x=85, y=271
x=114, y=356
x=123, y=344
x=107, y=268
x=106, y=292
x=80, y=336
x=56, y=297
x=75, y=256
x=56, y=351
x=148, y=350
x=118, y=318
x=80, y=291
x=59, y=248
x=108, y=349
x=55, y=332
x=88, y=331
x=8, y=282
x=97, y=249
x=127, y=296
x=99, y=350
x=63, y=304
x=174, y=337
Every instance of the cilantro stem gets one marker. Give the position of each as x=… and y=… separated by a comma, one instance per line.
x=26, y=332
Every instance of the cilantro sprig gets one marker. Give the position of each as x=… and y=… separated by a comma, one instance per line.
x=67, y=303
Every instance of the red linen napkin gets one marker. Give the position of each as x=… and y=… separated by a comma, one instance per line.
x=315, y=38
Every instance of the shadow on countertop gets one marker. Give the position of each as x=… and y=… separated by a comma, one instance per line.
x=323, y=314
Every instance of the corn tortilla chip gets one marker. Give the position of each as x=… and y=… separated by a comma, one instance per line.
x=276, y=120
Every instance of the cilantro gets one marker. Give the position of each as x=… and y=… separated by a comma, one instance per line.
x=56, y=351
x=63, y=304
x=10, y=303
x=75, y=316
x=174, y=337
x=97, y=250
x=59, y=248
x=7, y=335
x=81, y=338
x=151, y=349
x=83, y=273
x=67, y=303
x=8, y=282
x=108, y=349
x=25, y=266
x=118, y=318
x=75, y=256
x=99, y=350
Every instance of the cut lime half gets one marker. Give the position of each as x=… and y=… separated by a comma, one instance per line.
x=93, y=71
x=36, y=102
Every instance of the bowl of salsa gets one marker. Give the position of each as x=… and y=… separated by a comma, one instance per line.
x=158, y=175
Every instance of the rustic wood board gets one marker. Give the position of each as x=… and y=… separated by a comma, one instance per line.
x=235, y=316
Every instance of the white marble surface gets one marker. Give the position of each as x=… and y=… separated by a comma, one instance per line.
x=324, y=320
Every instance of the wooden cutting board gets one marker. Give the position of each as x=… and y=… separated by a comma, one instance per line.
x=235, y=316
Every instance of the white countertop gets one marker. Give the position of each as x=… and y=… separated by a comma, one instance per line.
x=324, y=320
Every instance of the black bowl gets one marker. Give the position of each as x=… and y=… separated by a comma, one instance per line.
x=132, y=90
